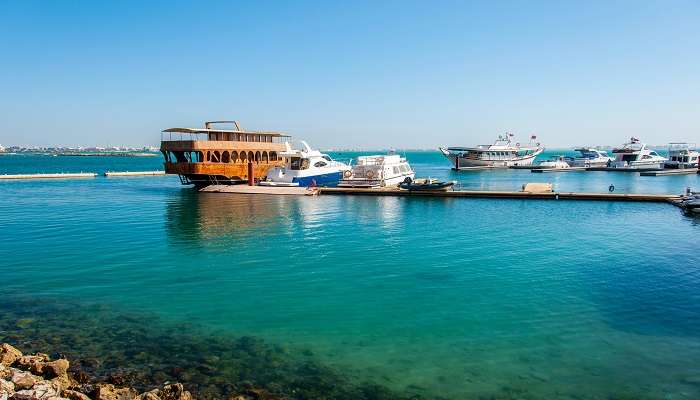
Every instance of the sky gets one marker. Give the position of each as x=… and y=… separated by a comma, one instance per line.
x=355, y=74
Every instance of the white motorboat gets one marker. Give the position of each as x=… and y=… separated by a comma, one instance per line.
x=636, y=155
x=554, y=162
x=590, y=157
x=502, y=153
x=305, y=167
x=682, y=155
x=378, y=171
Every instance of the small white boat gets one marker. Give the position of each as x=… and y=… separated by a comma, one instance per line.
x=682, y=155
x=554, y=162
x=502, y=153
x=305, y=167
x=636, y=155
x=378, y=171
x=590, y=157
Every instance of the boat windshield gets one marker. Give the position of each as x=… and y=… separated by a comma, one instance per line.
x=298, y=163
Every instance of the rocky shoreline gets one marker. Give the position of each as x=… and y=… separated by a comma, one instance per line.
x=38, y=377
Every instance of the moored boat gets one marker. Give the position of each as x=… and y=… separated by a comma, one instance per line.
x=427, y=184
x=554, y=162
x=590, y=157
x=377, y=171
x=213, y=155
x=502, y=153
x=691, y=203
x=305, y=167
x=682, y=155
x=636, y=155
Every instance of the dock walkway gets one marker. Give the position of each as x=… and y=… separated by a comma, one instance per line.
x=268, y=190
x=493, y=194
x=629, y=197
x=50, y=176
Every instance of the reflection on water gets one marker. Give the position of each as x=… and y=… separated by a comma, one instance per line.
x=206, y=217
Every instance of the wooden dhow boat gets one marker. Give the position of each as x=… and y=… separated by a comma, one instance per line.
x=214, y=155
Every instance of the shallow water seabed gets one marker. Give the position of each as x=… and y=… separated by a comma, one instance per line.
x=459, y=298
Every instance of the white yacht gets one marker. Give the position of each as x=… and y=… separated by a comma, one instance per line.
x=554, y=162
x=305, y=167
x=590, y=157
x=682, y=155
x=502, y=153
x=378, y=171
x=636, y=155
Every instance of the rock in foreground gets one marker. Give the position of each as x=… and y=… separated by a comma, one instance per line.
x=37, y=377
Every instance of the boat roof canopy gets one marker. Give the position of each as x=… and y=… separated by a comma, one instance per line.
x=203, y=130
x=208, y=128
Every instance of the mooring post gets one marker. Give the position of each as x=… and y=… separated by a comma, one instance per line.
x=456, y=162
x=250, y=173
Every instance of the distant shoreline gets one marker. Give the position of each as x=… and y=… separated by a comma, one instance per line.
x=111, y=154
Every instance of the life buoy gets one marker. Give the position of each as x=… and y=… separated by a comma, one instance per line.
x=370, y=174
x=347, y=174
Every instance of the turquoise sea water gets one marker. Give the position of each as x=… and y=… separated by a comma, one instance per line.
x=457, y=298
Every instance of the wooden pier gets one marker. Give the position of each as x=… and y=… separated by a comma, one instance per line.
x=50, y=176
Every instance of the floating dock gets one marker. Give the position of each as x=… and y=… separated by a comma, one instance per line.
x=50, y=176
x=621, y=169
x=301, y=191
x=482, y=168
x=666, y=172
x=134, y=173
x=658, y=198
x=268, y=190
x=570, y=169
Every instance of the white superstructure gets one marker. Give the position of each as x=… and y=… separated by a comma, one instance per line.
x=305, y=167
x=682, y=155
x=502, y=153
x=590, y=157
x=378, y=171
x=554, y=162
x=636, y=155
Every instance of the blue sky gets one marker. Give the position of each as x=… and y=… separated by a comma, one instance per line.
x=351, y=74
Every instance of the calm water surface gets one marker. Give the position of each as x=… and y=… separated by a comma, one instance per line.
x=455, y=297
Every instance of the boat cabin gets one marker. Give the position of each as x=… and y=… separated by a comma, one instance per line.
x=213, y=155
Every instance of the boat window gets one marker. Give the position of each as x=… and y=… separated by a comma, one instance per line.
x=646, y=157
x=295, y=163
x=320, y=164
x=629, y=157
x=396, y=170
x=305, y=163
x=327, y=157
